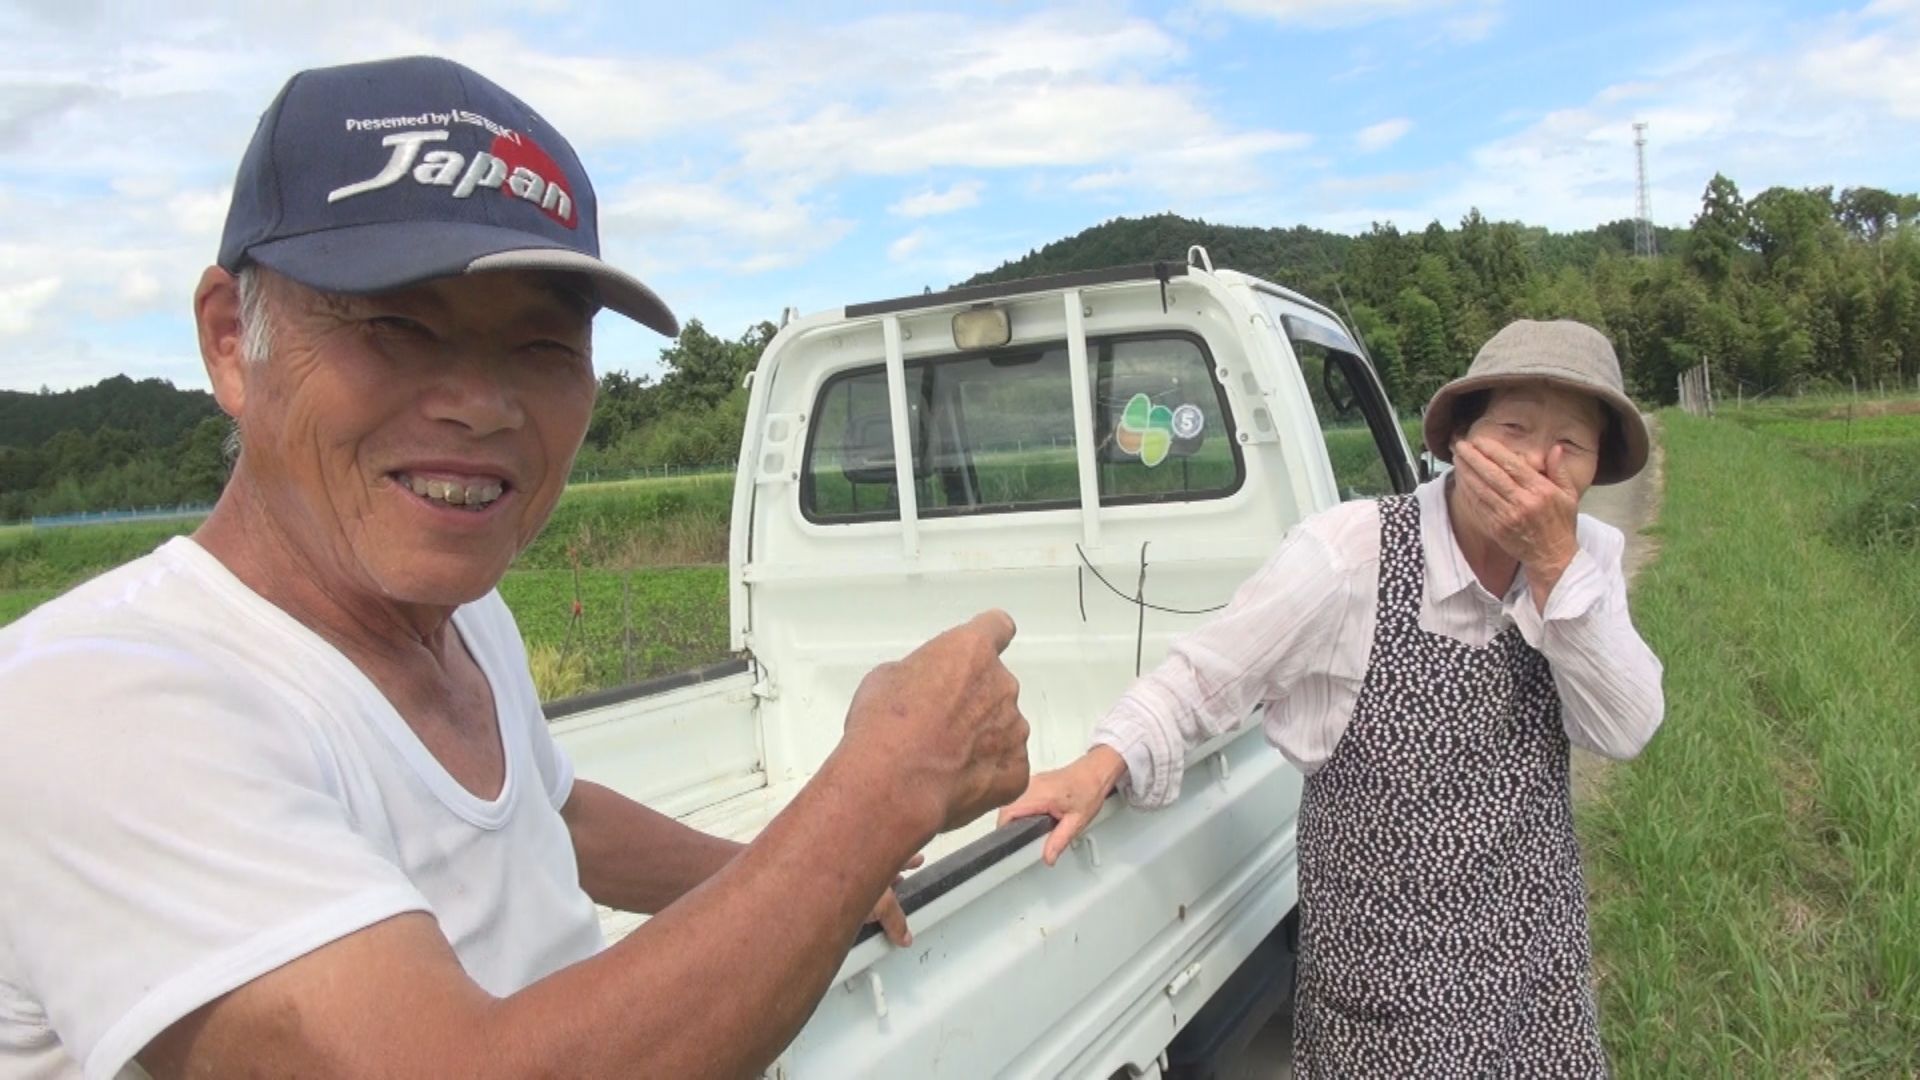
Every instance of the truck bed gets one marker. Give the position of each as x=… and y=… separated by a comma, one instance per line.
x=1081, y=969
x=688, y=746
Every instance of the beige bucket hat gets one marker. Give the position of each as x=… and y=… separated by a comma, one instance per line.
x=1563, y=352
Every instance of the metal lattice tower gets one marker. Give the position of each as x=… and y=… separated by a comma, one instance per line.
x=1644, y=243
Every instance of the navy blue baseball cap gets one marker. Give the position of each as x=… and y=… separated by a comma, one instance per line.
x=376, y=176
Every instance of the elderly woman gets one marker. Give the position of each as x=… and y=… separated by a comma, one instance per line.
x=1426, y=659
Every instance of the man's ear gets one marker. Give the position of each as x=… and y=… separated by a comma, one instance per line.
x=216, y=316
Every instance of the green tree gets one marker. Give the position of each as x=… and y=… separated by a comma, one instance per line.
x=703, y=369
x=1382, y=342
x=623, y=404
x=1719, y=230
x=1425, y=351
x=1868, y=213
x=1793, y=230
x=200, y=462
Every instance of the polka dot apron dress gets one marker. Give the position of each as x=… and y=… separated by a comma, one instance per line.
x=1443, y=914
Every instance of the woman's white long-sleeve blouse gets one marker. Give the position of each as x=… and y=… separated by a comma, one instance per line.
x=1297, y=635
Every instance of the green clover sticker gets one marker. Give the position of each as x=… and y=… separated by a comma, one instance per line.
x=1146, y=430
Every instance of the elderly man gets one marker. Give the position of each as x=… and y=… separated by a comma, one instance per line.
x=279, y=799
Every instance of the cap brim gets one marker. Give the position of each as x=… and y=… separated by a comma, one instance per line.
x=376, y=258
x=1437, y=423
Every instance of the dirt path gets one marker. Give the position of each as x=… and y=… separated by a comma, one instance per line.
x=1629, y=507
x=1633, y=505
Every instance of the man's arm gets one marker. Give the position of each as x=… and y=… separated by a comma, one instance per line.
x=633, y=858
x=719, y=981
x=636, y=859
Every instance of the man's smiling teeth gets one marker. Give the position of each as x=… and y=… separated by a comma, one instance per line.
x=453, y=494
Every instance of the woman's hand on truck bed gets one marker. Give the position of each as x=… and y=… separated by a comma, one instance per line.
x=888, y=912
x=945, y=725
x=1070, y=795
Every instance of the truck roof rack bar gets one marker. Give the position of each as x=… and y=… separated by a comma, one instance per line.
x=1023, y=286
x=904, y=494
x=1083, y=450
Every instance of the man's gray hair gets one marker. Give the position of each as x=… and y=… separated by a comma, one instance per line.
x=256, y=319
x=256, y=338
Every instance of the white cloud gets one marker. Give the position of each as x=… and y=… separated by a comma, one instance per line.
x=139, y=288
x=707, y=225
x=1045, y=91
x=1881, y=68
x=20, y=302
x=1458, y=21
x=1472, y=26
x=930, y=203
x=1005, y=126
x=1105, y=180
x=1328, y=13
x=1810, y=104
x=1382, y=135
x=118, y=137
x=906, y=246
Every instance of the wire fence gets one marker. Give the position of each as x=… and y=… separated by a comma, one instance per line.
x=118, y=515
x=648, y=472
x=1703, y=391
x=108, y=517
x=1696, y=390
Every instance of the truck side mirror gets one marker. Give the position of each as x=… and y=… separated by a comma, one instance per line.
x=1339, y=390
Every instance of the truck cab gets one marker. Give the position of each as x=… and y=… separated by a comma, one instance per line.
x=1106, y=456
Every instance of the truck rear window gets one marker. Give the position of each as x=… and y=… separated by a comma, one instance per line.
x=993, y=432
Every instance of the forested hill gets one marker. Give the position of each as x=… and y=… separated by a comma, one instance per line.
x=117, y=443
x=1793, y=289
x=152, y=410
x=1303, y=258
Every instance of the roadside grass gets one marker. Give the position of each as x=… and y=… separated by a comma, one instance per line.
x=60, y=558
x=628, y=524
x=652, y=577
x=17, y=602
x=1875, y=445
x=1756, y=876
x=632, y=625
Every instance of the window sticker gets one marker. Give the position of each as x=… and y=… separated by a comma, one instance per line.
x=1188, y=421
x=1145, y=430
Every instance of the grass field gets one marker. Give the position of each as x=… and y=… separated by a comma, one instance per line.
x=633, y=624
x=54, y=560
x=1756, y=873
x=652, y=580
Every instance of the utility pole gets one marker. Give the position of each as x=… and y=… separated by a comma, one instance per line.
x=1644, y=243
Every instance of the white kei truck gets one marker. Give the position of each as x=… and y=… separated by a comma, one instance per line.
x=1106, y=455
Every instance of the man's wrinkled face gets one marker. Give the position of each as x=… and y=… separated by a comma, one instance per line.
x=412, y=443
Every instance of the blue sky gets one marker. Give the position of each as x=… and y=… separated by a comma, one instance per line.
x=754, y=156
